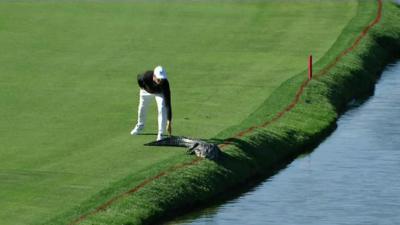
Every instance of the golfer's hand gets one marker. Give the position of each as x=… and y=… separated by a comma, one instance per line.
x=169, y=128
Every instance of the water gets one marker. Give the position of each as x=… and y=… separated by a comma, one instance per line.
x=353, y=177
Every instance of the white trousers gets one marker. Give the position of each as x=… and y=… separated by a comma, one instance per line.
x=145, y=98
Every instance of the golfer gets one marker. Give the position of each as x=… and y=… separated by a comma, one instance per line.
x=154, y=84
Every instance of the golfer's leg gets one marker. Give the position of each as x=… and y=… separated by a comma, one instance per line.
x=144, y=101
x=162, y=114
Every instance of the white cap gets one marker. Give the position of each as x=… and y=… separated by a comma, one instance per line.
x=160, y=73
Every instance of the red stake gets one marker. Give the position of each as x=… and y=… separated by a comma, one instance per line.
x=310, y=67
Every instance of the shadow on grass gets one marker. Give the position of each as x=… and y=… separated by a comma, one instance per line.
x=148, y=134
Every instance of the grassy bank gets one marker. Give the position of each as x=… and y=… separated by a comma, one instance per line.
x=261, y=150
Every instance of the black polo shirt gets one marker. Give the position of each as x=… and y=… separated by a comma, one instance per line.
x=146, y=82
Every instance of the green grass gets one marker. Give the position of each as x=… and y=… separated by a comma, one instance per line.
x=68, y=95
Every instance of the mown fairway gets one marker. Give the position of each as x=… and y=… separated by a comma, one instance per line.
x=68, y=92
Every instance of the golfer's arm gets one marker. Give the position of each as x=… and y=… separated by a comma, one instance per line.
x=167, y=96
x=140, y=81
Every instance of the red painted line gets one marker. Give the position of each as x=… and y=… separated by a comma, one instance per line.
x=305, y=83
x=279, y=115
x=355, y=43
x=105, y=205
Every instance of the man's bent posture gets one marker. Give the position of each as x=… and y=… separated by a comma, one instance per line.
x=154, y=84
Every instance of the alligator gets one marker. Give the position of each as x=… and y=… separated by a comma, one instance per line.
x=199, y=147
